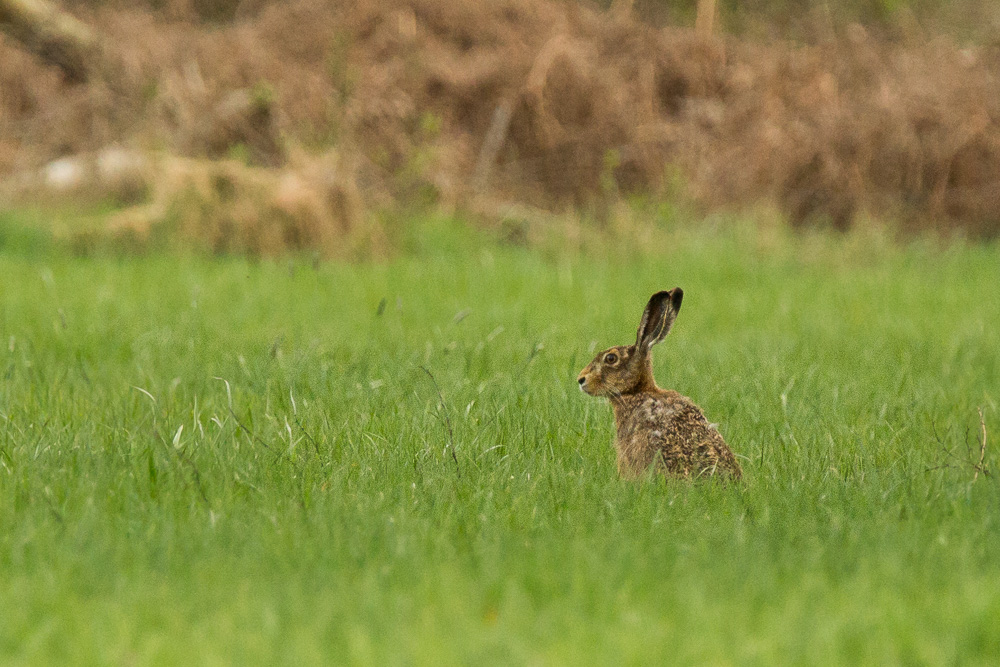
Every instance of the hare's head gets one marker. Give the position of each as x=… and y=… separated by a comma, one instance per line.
x=627, y=369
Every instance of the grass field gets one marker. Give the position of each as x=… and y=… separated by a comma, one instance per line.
x=218, y=460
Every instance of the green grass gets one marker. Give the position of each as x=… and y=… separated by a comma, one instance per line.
x=141, y=523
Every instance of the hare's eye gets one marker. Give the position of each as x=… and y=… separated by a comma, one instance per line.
x=611, y=358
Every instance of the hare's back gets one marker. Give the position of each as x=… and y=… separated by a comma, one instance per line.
x=672, y=428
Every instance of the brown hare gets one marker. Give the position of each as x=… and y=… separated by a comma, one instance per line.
x=655, y=426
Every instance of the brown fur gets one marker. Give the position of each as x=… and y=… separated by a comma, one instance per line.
x=655, y=427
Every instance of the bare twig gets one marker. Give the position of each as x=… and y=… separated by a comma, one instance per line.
x=255, y=438
x=968, y=448
x=52, y=508
x=447, y=420
x=982, y=446
x=949, y=453
x=250, y=433
x=954, y=461
x=311, y=439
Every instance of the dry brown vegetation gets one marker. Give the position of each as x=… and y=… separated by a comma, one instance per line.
x=540, y=102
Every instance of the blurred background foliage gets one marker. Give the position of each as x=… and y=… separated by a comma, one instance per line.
x=807, y=19
x=796, y=19
x=262, y=126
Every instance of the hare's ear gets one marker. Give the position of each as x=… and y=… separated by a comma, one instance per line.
x=659, y=316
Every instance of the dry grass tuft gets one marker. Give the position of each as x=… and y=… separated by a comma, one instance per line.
x=226, y=206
